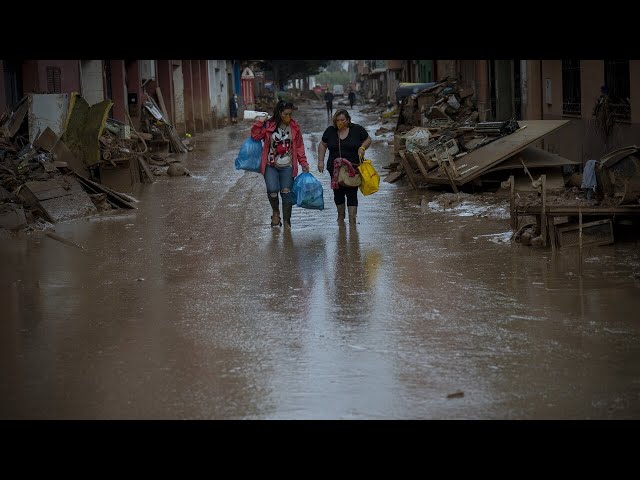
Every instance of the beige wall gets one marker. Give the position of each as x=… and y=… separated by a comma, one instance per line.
x=591, y=79
x=552, y=69
x=580, y=140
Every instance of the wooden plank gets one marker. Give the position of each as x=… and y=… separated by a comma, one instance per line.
x=591, y=232
x=47, y=140
x=416, y=157
x=59, y=199
x=393, y=177
x=145, y=168
x=533, y=158
x=444, y=166
x=495, y=152
x=573, y=210
x=13, y=124
x=453, y=183
x=115, y=198
x=162, y=106
x=552, y=234
x=52, y=189
x=64, y=240
x=580, y=243
x=512, y=203
x=408, y=170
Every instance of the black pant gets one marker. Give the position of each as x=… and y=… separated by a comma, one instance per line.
x=351, y=193
x=329, y=108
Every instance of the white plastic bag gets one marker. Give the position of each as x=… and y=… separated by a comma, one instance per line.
x=417, y=140
x=453, y=102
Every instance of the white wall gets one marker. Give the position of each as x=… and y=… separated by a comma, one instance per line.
x=218, y=88
x=92, y=81
x=178, y=92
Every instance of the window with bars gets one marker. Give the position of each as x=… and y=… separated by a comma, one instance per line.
x=571, y=92
x=53, y=80
x=617, y=81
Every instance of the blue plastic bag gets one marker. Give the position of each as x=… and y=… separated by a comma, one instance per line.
x=307, y=191
x=250, y=155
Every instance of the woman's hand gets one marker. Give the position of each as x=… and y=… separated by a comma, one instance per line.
x=361, y=151
x=305, y=168
x=321, y=166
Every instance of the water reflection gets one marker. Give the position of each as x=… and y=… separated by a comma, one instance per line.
x=383, y=320
x=353, y=298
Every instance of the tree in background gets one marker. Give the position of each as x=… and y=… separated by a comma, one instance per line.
x=285, y=70
x=337, y=72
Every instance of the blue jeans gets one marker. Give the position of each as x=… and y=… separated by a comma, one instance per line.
x=278, y=179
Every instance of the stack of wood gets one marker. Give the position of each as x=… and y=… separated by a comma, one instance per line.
x=441, y=106
x=447, y=114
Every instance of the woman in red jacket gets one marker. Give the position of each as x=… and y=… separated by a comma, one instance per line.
x=282, y=151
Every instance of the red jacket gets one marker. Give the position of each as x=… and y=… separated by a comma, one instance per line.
x=260, y=132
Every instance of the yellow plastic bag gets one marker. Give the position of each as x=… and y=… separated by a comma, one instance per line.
x=370, y=178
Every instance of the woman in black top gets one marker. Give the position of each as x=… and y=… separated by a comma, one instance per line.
x=354, y=140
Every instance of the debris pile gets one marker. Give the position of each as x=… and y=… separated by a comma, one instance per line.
x=57, y=161
x=607, y=200
x=439, y=141
x=442, y=106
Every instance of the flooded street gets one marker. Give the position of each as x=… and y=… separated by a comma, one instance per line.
x=192, y=307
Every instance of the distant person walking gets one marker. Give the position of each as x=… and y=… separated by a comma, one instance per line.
x=328, y=98
x=352, y=98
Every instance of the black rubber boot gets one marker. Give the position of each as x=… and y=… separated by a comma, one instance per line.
x=353, y=212
x=286, y=214
x=341, y=212
x=275, y=206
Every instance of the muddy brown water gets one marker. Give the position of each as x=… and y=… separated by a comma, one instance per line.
x=191, y=307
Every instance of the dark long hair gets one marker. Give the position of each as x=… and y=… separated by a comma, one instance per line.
x=280, y=107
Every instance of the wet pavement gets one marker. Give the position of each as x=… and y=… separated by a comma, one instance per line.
x=192, y=307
